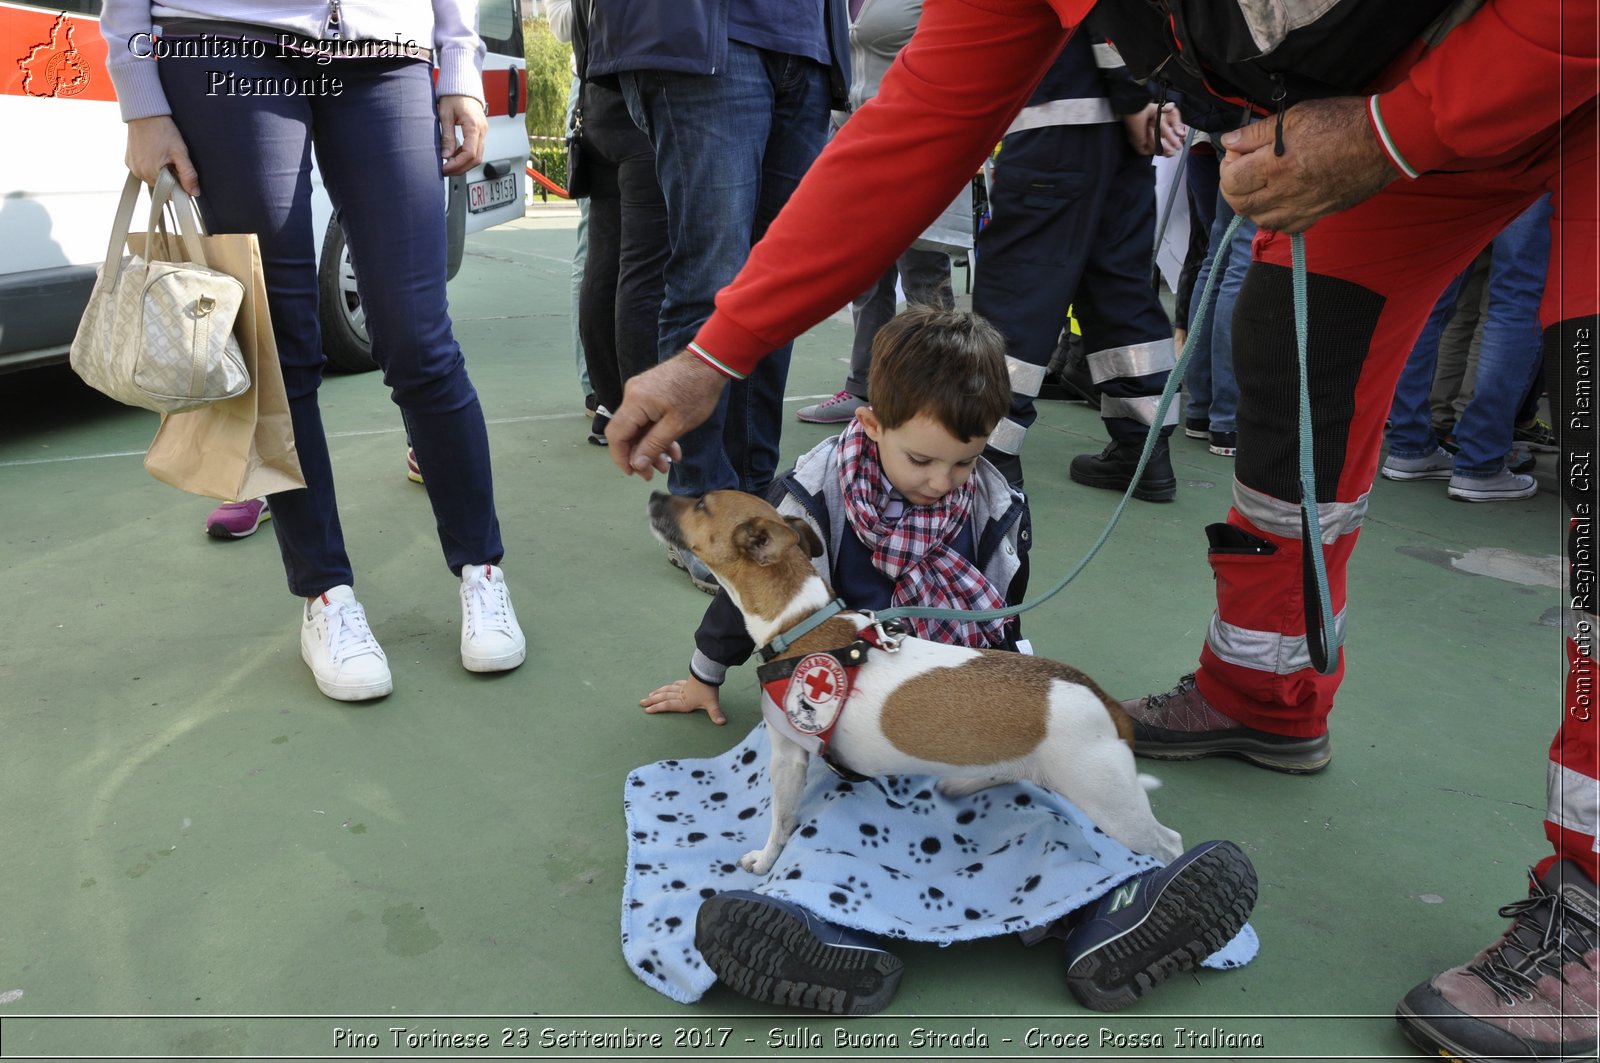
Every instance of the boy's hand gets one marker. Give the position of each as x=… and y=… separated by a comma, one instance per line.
x=686, y=695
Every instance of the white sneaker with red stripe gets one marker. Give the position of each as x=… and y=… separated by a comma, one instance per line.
x=491, y=639
x=341, y=650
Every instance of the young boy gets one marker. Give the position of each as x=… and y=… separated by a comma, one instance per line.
x=910, y=513
x=907, y=509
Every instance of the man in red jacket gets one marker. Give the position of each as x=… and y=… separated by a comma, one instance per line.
x=1404, y=179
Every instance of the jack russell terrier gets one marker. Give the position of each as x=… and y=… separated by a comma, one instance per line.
x=974, y=718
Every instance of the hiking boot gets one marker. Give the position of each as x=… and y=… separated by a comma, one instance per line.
x=1530, y=995
x=837, y=410
x=1155, y=925
x=340, y=649
x=1182, y=725
x=1197, y=427
x=1503, y=486
x=237, y=520
x=1537, y=434
x=699, y=574
x=413, y=470
x=1113, y=468
x=491, y=638
x=778, y=953
x=1224, y=444
x=1435, y=466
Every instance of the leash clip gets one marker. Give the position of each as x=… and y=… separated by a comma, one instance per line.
x=887, y=636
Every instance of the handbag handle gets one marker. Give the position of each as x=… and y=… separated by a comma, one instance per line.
x=167, y=191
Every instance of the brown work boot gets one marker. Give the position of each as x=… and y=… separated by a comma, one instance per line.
x=1530, y=995
x=1182, y=725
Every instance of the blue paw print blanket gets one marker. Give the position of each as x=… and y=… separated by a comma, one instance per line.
x=891, y=856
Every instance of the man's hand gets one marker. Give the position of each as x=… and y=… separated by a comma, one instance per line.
x=463, y=113
x=154, y=143
x=1331, y=161
x=658, y=406
x=686, y=695
x=1156, y=130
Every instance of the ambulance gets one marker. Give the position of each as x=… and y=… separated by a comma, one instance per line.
x=62, y=171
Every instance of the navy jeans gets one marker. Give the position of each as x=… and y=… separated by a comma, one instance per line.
x=377, y=147
x=1508, y=357
x=1209, y=383
x=730, y=147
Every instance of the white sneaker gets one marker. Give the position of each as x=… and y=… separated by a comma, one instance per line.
x=491, y=640
x=1503, y=486
x=340, y=648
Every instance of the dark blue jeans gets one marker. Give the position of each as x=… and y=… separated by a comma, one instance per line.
x=1212, y=389
x=377, y=148
x=1508, y=358
x=730, y=147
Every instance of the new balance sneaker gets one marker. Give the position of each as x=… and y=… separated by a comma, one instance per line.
x=1533, y=994
x=340, y=649
x=1160, y=923
x=1435, y=466
x=1537, y=434
x=1503, y=486
x=699, y=574
x=491, y=639
x=1182, y=725
x=413, y=470
x=1224, y=444
x=237, y=520
x=837, y=410
x=778, y=953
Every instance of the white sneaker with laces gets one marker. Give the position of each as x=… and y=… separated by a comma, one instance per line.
x=340, y=649
x=491, y=640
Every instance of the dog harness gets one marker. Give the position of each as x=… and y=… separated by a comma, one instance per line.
x=804, y=697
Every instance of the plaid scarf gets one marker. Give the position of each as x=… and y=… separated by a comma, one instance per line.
x=915, y=551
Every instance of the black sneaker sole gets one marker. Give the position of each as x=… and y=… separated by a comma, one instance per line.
x=1290, y=756
x=1159, y=492
x=1200, y=911
x=769, y=955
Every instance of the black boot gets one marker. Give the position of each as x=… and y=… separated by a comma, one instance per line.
x=1113, y=468
x=1067, y=376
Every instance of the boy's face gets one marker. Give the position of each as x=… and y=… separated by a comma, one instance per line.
x=921, y=458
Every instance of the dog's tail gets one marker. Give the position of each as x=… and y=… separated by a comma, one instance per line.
x=1149, y=782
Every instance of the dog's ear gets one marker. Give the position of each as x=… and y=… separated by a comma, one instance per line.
x=808, y=538
x=761, y=539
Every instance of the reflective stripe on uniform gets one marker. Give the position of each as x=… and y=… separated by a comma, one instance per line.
x=1106, y=57
x=1026, y=378
x=1574, y=801
x=1007, y=436
x=1264, y=651
x=1082, y=111
x=1276, y=516
x=1139, y=359
x=1141, y=408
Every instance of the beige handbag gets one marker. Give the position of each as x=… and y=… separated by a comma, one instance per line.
x=158, y=330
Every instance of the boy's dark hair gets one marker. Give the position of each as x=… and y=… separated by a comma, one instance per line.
x=950, y=366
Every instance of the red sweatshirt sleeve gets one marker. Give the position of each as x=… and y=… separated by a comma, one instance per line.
x=1512, y=70
x=898, y=162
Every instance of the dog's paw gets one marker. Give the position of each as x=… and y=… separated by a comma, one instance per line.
x=954, y=787
x=757, y=862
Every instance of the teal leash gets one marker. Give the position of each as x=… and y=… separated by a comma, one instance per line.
x=1321, y=637
x=1323, y=651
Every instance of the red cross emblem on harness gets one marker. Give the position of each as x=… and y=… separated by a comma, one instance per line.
x=816, y=693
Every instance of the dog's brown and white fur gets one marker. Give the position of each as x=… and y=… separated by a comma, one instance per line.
x=974, y=718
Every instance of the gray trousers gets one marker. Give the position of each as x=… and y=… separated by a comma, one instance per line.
x=925, y=275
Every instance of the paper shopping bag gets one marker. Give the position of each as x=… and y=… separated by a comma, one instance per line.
x=241, y=447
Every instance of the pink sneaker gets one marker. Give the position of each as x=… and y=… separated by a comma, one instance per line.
x=237, y=520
